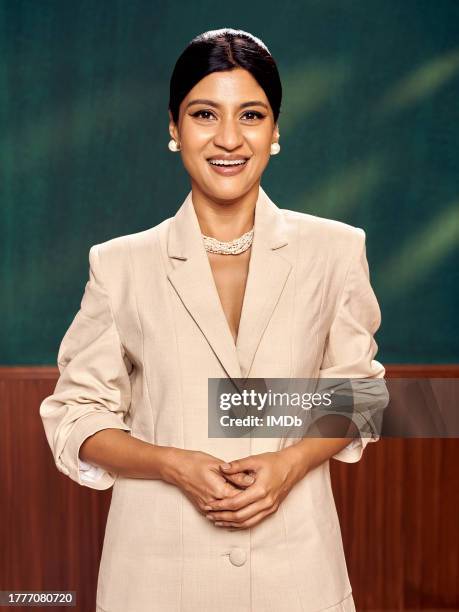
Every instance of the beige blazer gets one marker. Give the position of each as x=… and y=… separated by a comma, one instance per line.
x=150, y=332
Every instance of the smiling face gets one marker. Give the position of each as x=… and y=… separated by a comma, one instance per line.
x=225, y=116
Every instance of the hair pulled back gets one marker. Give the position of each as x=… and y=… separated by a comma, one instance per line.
x=220, y=50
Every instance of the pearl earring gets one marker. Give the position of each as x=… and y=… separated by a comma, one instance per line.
x=172, y=146
x=275, y=148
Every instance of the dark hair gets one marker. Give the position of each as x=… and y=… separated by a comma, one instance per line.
x=220, y=50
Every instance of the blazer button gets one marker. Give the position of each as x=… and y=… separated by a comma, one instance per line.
x=238, y=556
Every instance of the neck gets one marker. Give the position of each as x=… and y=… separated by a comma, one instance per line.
x=222, y=219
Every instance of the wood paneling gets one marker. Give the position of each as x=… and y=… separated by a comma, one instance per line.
x=51, y=529
x=398, y=509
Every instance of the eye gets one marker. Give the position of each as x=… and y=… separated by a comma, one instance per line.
x=206, y=114
x=256, y=113
x=200, y=113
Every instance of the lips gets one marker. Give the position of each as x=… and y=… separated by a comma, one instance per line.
x=226, y=157
x=226, y=164
x=230, y=169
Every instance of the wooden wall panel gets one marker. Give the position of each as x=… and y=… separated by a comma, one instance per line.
x=398, y=509
x=399, y=513
x=51, y=529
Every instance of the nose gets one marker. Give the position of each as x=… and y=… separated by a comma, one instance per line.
x=228, y=135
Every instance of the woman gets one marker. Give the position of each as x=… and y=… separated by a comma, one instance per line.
x=230, y=287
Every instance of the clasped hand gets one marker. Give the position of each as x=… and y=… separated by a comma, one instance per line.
x=274, y=478
x=233, y=502
x=274, y=473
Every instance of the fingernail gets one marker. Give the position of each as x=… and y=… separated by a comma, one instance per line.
x=226, y=466
x=248, y=479
x=210, y=517
x=207, y=507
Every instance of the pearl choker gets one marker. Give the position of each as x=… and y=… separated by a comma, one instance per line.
x=233, y=247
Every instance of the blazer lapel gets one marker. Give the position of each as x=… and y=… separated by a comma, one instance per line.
x=268, y=273
x=193, y=280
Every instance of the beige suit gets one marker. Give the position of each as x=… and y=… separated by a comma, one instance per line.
x=150, y=332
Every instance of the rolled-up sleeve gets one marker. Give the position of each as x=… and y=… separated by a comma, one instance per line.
x=351, y=348
x=93, y=391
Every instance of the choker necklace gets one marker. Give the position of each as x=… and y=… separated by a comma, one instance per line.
x=233, y=247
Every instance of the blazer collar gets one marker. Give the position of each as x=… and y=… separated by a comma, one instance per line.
x=193, y=280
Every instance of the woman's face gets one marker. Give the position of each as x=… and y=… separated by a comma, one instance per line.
x=233, y=120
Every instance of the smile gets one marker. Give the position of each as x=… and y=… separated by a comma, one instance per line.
x=227, y=162
x=228, y=167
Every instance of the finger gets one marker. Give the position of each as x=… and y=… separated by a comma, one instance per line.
x=239, y=515
x=246, y=524
x=228, y=490
x=238, y=465
x=240, y=500
x=241, y=479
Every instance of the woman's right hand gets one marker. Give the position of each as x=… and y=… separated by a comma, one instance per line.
x=198, y=475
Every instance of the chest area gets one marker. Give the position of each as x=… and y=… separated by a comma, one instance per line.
x=263, y=320
x=230, y=277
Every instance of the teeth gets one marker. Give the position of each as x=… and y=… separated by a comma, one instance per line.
x=232, y=162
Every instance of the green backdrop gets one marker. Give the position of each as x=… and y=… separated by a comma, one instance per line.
x=369, y=135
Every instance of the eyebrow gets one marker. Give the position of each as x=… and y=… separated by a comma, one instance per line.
x=217, y=105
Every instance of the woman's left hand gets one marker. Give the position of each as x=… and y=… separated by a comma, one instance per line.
x=275, y=474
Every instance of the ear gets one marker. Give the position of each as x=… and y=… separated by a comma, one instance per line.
x=276, y=134
x=173, y=128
